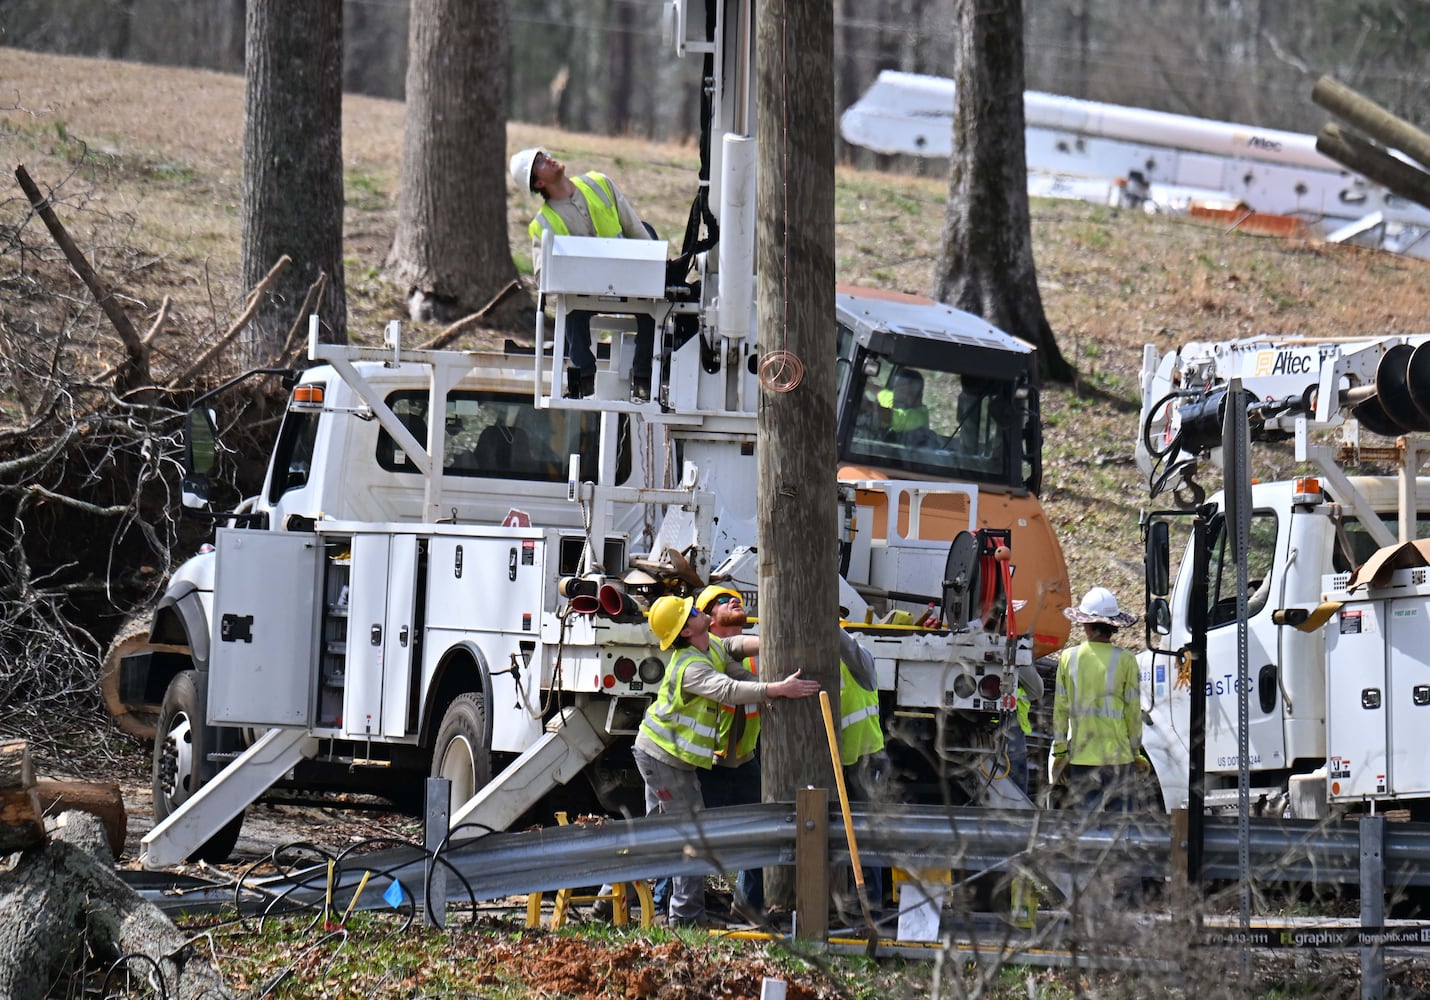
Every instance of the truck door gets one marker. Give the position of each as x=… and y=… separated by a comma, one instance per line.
x=264, y=628
x=1267, y=739
x=381, y=635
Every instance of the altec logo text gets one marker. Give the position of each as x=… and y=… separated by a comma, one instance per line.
x=1284, y=363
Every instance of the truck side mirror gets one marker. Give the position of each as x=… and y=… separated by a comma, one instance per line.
x=1159, y=616
x=200, y=443
x=1155, y=561
x=1157, y=558
x=200, y=458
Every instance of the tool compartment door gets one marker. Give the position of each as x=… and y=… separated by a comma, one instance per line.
x=264, y=628
x=380, y=635
x=1408, y=695
x=1357, y=765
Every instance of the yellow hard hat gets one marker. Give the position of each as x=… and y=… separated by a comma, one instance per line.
x=522, y=164
x=668, y=616
x=708, y=595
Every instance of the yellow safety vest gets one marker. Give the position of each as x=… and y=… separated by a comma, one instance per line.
x=730, y=714
x=911, y=418
x=687, y=728
x=860, y=732
x=600, y=202
x=1025, y=711
x=1097, y=714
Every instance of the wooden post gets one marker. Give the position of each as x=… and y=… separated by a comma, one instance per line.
x=1372, y=119
x=797, y=491
x=1366, y=158
x=811, y=864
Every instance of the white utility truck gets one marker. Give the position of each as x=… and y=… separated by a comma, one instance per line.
x=447, y=569
x=1338, y=669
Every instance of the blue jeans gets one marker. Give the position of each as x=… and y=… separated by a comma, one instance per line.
x=738, y=786
x=1102, y=788
x=578, y=342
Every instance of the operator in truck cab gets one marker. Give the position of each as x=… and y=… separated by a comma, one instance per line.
x=902, y=412
x=1097, y=710
x=679, y=734
x=589, y=205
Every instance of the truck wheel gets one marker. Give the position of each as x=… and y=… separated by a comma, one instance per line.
x=179, y=752
x=462, y=755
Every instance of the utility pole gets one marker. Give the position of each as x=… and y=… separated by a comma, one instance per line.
x=794, y=253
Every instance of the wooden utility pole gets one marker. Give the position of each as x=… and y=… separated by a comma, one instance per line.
x=794, y=234
x=1365, y=157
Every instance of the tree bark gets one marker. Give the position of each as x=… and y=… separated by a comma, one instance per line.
x=293, y=166
x=64, y=897
x=451, y=250
x=987, y=262
x=798, y=605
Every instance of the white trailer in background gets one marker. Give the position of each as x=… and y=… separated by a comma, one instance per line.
x=1112, y=154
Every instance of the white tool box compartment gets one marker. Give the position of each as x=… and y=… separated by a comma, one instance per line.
x=589, y=265
x=264, y=628
x=1378, y=688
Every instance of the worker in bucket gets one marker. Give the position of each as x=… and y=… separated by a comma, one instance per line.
x=679, y=734
x=588, y=205
x=1097, y=711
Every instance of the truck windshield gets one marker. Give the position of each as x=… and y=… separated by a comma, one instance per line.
x=931, y=422
x=501, y=436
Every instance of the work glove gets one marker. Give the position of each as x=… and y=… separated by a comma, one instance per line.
x=1142, y=764
x=1059, y=771
x=881, y=768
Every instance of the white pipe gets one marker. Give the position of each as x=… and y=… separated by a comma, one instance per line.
x=737, y=237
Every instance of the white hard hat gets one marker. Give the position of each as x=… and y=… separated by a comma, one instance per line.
x=1099, y=605
x=522, y=164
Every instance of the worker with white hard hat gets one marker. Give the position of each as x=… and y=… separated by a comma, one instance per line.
x=679, y=734
x=588, y=205
x=1097, y=711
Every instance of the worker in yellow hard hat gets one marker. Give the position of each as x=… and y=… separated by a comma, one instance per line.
x=588, y=205
x=679, y=734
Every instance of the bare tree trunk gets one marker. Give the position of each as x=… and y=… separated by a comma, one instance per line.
x=63, y=899
x=451, y=248
x=987, y=262
x=799, y=605
x=293, y=165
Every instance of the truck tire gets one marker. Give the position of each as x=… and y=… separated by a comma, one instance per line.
x=179, y=752
x=462, y=754
x=137, y=720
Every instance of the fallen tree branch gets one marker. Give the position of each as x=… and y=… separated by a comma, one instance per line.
x=464, y=324
x=135, y=372
x=250, y=307
x=315, y=292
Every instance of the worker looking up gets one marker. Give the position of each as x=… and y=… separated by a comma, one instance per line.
x=1097, y=712
x=678, y=735
x=589, y=205
x=735, y=778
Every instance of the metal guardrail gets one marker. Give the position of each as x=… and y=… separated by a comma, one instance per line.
x=911, y=837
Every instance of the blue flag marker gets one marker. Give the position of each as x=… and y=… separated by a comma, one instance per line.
x=395, y=894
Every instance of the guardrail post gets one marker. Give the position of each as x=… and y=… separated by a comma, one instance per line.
x=434, y=831
x=811, y=864
x=1372, y=904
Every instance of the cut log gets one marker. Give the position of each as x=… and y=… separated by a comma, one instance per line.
x=101, y=799
x=61, y=899
x=20, y=823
